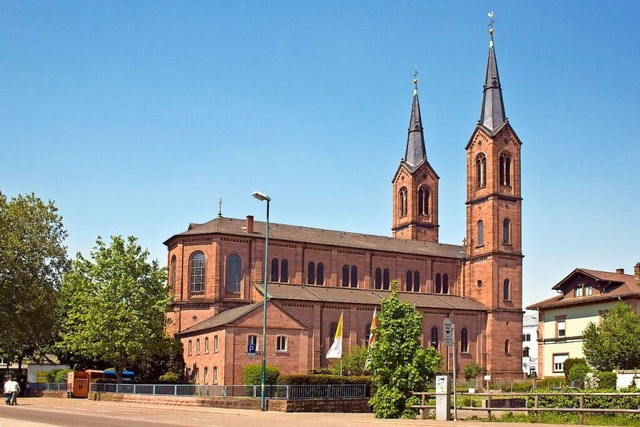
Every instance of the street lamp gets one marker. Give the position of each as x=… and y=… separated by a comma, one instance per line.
x=263, y=197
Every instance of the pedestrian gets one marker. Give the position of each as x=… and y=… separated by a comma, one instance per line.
x=7, y=393
x=11, y=390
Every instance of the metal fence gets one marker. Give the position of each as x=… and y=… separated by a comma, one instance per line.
x=288, y=392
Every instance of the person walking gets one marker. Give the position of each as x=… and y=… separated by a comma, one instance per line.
x=11, y=390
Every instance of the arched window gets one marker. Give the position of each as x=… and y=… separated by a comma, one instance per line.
x=409, y=284
x=173, y=274
x=506, y=231
x=445, y=283
x=189, y=348
x=506, y=290
x=505, y=169
x=438, y=284
x=481, y=170
x=234, y=273
x=320, y=279
x=345, y=276
x=423, y=201
x=252, y=340
x=416, y=282
x=284, y=271
x=206, y=345
x=377, y=283
x=354, y=276
x=507, y=347
x=385, y=279
x=215, y=375
x=281, y=343
x=215, y=343
x=434, y=337
x=403, y=202
x=275, y=270
x=480, y=233
x=464, y=341
x=196, y=278
x=311, y=273
x=197, y=346
x=206, y=374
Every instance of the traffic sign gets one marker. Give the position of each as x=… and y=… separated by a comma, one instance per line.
x=251, y=349
x=447, y=327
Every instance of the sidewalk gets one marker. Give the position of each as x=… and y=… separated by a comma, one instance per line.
x=233, y=417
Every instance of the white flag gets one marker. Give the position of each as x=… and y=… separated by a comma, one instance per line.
x=335, y=352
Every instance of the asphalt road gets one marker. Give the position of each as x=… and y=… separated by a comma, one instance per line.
x=46, y=411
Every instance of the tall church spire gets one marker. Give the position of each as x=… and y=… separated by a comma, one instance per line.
x=415, y=152
x=492, y=114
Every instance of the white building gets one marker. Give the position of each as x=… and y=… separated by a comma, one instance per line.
x=530, y=343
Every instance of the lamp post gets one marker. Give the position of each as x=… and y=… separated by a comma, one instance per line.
x=264, y=198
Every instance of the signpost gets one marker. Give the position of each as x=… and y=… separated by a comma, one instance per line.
x=450, y=341
x=251, y=350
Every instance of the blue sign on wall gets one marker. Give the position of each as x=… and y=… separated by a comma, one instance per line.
x=251, y=349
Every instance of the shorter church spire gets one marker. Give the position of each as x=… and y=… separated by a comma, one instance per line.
x=492, y=114
x=416, y=151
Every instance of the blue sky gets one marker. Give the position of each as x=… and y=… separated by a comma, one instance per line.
x=137, y=117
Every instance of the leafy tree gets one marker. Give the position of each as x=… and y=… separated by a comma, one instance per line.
x=399, y=363
x=32, y=261
x=615, y=343
x=172, y=361
x=114, y=305
x=352, y=363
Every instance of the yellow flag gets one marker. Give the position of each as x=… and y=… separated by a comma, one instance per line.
x=335, y=352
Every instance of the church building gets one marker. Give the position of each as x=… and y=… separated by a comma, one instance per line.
x=216, y=269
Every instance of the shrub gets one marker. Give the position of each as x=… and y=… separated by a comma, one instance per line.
x=170, y=378
x=471, y=371
x=60, y=376
x=252, y=375
x=605, y=380
x=577, y=374
x=569, y=363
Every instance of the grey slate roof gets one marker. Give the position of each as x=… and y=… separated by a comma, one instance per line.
x=223, y=318
x=313, y=293
x=320, y=236
x=492, y=114
x=416, y=152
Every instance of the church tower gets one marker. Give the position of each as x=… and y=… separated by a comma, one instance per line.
x=415, y=186
x=494, y=226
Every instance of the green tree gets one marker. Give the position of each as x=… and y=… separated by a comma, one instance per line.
x=352, y=362
x=32, y=261
x=399, y=363
x=615, y=343
x=114, y=305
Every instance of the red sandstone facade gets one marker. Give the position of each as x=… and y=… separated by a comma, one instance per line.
x=216, y=269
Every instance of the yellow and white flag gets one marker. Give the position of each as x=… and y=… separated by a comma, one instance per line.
x=335, y=352
x=372, y=338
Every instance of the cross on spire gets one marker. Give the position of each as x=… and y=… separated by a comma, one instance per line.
x=491, y=21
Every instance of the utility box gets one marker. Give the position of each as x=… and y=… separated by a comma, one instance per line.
x=443, y=398
x=78, y=384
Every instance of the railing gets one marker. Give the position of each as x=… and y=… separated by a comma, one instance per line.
x=288, y=392
x=489, y=407
x=36, y=387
